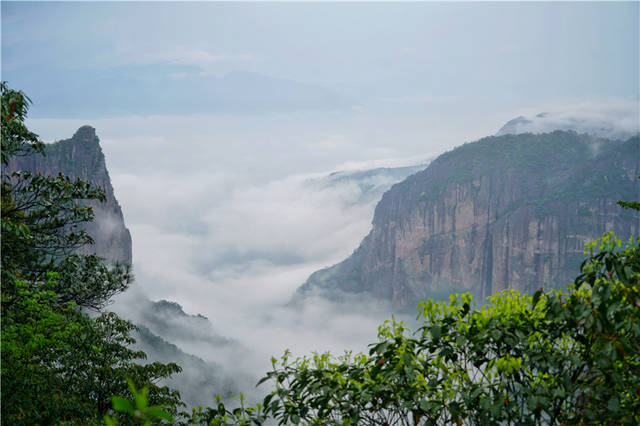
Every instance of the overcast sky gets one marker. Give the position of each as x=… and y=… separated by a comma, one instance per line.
x=212, y=117
x=316, y=84
x=496, y=55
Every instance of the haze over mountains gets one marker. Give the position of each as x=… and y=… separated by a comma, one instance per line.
x=212, y=361
x=508, y=210
x=174, y=88
x=161, y=323
x=610, y=120
x=368, y=185
x=288, y=175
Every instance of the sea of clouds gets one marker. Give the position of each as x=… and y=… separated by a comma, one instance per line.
x=229, y=215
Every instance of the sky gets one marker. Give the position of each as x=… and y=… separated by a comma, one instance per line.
x=218, y=120
x=369, y=54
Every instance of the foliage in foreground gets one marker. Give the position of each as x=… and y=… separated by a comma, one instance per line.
x=551, y=358
x=59, y=364
x=569, y=357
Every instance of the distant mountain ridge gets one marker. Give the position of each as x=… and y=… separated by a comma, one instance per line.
x=512, y=210
x=371, y=183
x=171, y=89
x=81, y=157
x=167, y=334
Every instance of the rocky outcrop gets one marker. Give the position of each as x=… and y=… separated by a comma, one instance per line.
x=508, y=211
x=81, y=157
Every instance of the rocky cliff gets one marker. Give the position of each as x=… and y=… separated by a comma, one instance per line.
x=512, y=210
x=81, y=157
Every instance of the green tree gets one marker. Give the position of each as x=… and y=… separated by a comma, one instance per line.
x=16, y=138
x=556, y=357
x=551, y=358
x=59, y=364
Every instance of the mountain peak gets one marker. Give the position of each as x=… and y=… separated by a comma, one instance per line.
x=86, y=134
x=81, y=158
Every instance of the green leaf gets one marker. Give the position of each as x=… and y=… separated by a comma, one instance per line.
x=436, y=332
x=262, y=380
x=122, y=405
x=141, y=400
x=536, y=297
x=159, y=413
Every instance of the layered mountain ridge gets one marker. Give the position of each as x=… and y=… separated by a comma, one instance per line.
x=166, y=333
x=505, y=211
x=368, y=184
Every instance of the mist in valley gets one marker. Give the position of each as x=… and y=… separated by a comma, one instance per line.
x=248, y=144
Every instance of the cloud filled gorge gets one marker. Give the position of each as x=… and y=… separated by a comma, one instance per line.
x=224, y=215
x=227, y=221
x=239, y=262
x=230, y=244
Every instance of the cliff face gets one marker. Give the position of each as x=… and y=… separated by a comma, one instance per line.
x=81, y=157
x=504, y=211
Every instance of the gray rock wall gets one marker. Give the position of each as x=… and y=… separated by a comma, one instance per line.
x=81, y=157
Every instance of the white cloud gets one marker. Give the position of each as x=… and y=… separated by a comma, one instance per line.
x=227, y=217
x=387, y=162
x=609, y=118
x=252, y=245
